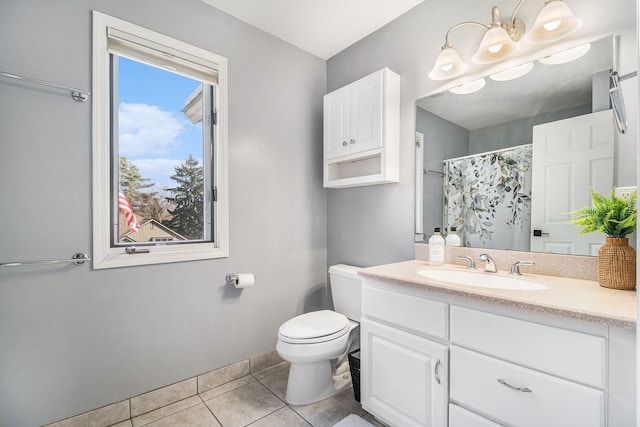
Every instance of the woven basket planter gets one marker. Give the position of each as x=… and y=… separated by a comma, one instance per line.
x=617, y=264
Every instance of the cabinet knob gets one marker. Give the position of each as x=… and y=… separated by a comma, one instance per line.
x=352, y=141
x=345, y=143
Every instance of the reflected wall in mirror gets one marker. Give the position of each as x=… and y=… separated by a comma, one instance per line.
x=480, y=165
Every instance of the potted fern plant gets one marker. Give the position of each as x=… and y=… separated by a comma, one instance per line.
x=616, y=218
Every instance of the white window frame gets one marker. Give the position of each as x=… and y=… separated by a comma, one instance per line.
x=105, y=256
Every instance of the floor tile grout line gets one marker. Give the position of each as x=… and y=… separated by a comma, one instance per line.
x=272, y=392
x=198, y=393
x=177, y=412
x=129, y=400
x=202, y=401
x=168, y=415
x=285, y=403
x=253, y=374
x=211, y=411
x=230, y=390
x=265, y=416
x=300, y=415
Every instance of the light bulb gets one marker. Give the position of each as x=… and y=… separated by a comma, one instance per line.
x=495, y=48
x=550, y=26
x=447, y=67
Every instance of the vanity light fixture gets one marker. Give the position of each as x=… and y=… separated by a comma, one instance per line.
x=512, y=73
x=448, y=64
x=566, y=55
x=555, y=21
x=467, y=88
x=497, y=43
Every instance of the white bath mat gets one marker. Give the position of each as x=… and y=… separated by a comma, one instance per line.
x=353, y=420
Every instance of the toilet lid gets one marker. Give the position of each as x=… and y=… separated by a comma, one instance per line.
x=316, y=324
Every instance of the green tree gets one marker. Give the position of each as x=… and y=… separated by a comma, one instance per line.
x=145, y=204
x=188, y=200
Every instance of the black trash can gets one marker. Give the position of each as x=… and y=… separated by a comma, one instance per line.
x=354, y=367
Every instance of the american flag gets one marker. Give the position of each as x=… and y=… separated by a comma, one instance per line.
x=125, y=207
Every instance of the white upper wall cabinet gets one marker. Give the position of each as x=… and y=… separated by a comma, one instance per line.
x=355, y=117
x=361, y=132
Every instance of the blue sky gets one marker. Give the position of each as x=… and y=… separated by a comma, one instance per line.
x=154, y=134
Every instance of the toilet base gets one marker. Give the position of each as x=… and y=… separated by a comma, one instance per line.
x=310, y=382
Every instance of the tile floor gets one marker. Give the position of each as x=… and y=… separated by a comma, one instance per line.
x=255, y=400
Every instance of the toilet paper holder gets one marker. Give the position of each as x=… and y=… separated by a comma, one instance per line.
x=240, y=280
x=231, y=278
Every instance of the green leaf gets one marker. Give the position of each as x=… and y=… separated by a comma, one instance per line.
x=613, y=216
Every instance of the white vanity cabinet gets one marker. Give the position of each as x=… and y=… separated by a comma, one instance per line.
x=497, y=365
x=518, y=396
x=460, y=417
x=404, y=363
x=361, y=132
x=522, y=373
x=525, y=374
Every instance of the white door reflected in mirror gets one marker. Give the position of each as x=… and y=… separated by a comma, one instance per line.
x=565, y=153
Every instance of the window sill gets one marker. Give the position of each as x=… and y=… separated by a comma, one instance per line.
x=116, y=257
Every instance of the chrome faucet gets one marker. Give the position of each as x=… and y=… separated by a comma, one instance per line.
x=470, y=264
x=515, y=268
x=490, y=263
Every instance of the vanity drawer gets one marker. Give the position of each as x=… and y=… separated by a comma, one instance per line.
x=410, y=312
x=572, y=355
x=551, y=402
x=460, y=417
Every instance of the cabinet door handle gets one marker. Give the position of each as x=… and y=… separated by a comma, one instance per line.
x=522, y=389
x=352, y=141
x=435, y=371
x=345, y=143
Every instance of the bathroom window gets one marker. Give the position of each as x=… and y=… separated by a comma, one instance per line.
x=159, y=148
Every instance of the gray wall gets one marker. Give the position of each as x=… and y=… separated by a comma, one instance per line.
x=375, y=225
x=73, y=339
x=442, y=140
x=372, y=225
x=517, y=132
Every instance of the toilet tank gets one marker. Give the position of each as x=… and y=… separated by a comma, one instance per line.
x=346, y=290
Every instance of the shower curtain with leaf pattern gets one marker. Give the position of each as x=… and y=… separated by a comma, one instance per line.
x=488, y=198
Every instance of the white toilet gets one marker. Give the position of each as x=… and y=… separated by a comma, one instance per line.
x=313, y=342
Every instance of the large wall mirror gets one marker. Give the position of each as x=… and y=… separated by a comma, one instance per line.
x=505, y=164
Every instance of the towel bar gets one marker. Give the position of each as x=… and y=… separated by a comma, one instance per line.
x=78, y=259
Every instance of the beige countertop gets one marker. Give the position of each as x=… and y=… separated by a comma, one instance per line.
x=575, y=298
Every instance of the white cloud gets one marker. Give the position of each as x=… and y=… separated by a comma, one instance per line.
x=146, y=129
x=158, y=171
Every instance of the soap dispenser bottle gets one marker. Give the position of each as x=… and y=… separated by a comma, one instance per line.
x=452, y=238
x=436, y=248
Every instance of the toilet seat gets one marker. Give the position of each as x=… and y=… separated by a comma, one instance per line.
x=314, y=327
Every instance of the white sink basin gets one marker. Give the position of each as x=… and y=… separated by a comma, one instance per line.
x=482, y=280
